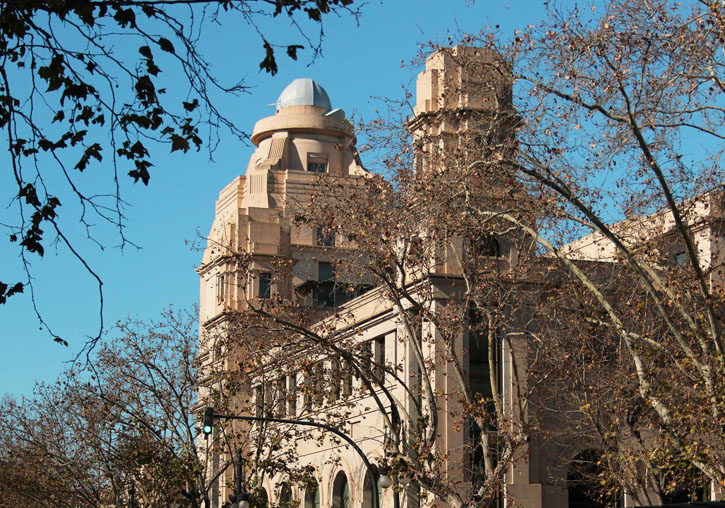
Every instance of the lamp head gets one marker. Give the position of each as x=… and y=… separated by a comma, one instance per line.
x=243, y=500
x=384, y=480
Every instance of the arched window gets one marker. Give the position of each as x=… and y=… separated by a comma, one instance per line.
x=285, y=496
x=369, y=490
x=412, y=496
x=341, y=491
x=259, y=499
x=312, y=496
x=584, y=483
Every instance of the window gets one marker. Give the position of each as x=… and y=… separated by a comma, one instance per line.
x=280, y=404
x=681, y=258
x=479, y=363
x=285, y=497
x=314, y=392
x=325, y=272
x=327, y=291
x=486, y=245
x=379, y=358
x=264, y=396
x=346, y=378
x=373, y=354
x=316, y=167
x=220, y=287
x=412, y=494
x=340, y=491
x=317, y=162
x=259, y=401
x=335, y=380
x=265, y=285
x=369, y=490
x=326, y=285
x=292, y=394
x=308, y=388
x=325, y=239
x=269, y=399
x=312, y=496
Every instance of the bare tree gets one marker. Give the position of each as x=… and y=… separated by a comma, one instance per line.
x=566, y=201
x=126, y=429
x=620, y=136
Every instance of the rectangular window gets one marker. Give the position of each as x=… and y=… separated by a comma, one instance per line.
x=259, y=401
x=346, y=378
x=220, y=287
x=292, y=394
x=325, y=272
x=265, y=285
x=484, y=357
x=366, y=352
x=269, y=399
x=309, y=388
x=379, y=358
x=280, y=400
x=335, y=380
x=325, y=240
x=325, y=285
x=317, y=162
x=681, y=258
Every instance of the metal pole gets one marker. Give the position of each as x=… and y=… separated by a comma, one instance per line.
x=348, y=440
x=238, y=476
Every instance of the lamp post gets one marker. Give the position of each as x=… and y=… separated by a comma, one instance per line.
x=240, y=498
x=209, y=415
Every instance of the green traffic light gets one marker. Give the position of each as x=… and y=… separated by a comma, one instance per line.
x=208, y=420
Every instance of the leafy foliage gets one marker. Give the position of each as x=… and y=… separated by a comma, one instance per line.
x=85, y=98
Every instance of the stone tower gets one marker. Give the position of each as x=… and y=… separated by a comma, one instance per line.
x=464, y=134
x=305, y=138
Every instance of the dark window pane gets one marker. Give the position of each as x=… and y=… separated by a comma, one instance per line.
x=265, y=285
x=325, y=272
x=316, y=167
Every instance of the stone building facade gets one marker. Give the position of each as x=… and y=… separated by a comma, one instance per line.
x=254, y=217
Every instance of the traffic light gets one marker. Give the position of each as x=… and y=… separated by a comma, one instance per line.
x=208, y=420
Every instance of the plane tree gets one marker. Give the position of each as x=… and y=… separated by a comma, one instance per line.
x=124, y=430
x=614, y=135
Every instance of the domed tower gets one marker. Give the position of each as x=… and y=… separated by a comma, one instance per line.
x=304, y=138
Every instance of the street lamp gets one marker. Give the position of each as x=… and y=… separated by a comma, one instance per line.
x=385, y=481
x=240, y=498
x=244, y=499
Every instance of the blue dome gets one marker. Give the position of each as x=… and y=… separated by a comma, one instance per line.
x=304, y=92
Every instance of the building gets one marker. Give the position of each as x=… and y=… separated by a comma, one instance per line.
x=304, y=138
x=392, y=345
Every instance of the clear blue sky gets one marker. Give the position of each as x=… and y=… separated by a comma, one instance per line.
x=358, y=63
